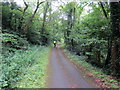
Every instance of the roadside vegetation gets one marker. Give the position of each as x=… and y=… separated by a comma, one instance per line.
x=35, y=75
x=27, y=67
x=103, y=80
x=24, y=55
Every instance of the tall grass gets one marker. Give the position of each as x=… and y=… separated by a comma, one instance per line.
x=13, y=64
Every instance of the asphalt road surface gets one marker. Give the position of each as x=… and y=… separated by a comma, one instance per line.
x=63, y=74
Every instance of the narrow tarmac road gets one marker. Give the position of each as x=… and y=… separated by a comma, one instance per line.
x=63, y=74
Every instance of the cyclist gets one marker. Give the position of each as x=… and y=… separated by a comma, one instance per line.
x=54, y=43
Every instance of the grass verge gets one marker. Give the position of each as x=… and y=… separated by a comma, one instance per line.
x=25, y=68
x=35, y=75
x=104, y=80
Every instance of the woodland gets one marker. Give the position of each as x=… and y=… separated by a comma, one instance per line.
x=89, y=29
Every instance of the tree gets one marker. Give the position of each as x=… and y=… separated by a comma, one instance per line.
x=115, y=27
x=43, y=37
x=26, y=27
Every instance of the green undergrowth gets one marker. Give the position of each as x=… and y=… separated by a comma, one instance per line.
x=35, y=76
x=25, y=68
x=108, y=80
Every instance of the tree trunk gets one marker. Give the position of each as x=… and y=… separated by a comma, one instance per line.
x=98, y=61
x=108, y=58
x=69, y=18
x=72, y=27
x=72, y=44
x=114, y=55
x=21, y=25
x=103, y=9
x=115, y=22
x=25, y=28
x=43, y=24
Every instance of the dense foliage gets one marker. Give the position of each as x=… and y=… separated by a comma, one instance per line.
x=15, y=63
x=94, y=33
x=19, y=50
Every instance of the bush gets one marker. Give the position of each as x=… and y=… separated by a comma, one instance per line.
x=12, y=42
x=13, y=65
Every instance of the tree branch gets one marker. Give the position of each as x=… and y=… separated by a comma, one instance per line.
x=25, y=7
x=38, y=4
x=103, y=9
